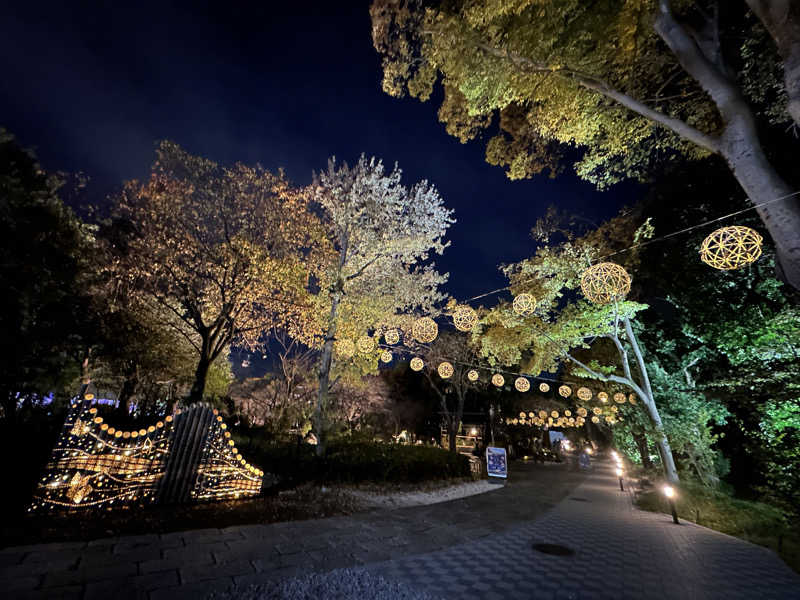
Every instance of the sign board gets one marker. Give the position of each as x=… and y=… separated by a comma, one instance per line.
x=496, y=463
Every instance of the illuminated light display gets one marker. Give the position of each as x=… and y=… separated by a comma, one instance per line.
x=564, y=391
x=524, y=305
x=619, y=397
x=445, y=370
x=94, y=466
x=605, y=282
x=522, y=384
x=417, y=364
x=472, y=375
x=425, y=330
x=465, y=318
x=386, y=356
x=731, y=247
x=498, y=380
x=584, y=393
x=392, y=337
x=543, y=387
x=603, y=397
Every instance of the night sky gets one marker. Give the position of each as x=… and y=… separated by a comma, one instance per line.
x=92, y=88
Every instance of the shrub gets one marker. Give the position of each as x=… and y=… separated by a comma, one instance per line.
x=354, y=462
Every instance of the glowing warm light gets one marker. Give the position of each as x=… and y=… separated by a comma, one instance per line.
x=524, y=305
x=619, y=472
x=417, y=364
x=473, y=431
x=731, y=247
x=465, y=318
x=588, y=451
x=669, y=491
x=605, y=282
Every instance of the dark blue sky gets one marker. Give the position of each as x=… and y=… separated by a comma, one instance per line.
x=92, y=87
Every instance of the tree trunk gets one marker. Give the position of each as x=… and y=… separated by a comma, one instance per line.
x=644, y=451
x=739, y=145
x=452, y=431
x=129, y=386
x=200, y=375
x=670, y=471
x=324, y=373
x=782, y=20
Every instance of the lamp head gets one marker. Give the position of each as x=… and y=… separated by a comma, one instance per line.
x=669, y=491
x=619, y=472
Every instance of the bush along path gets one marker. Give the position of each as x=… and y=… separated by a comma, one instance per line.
x=192, y=564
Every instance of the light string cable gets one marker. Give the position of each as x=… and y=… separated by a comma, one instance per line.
x=651, y=241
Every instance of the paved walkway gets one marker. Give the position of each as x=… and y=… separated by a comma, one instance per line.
x=191, y=564
x=479, y=546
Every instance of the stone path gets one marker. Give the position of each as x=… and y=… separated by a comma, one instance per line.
x=619, y=552
x=194, y=563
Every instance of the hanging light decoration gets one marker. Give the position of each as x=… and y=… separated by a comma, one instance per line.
x=632, y=399
x=392, y=336
x=584, y=393
x=524, y=305
x=614, y=409
x=542, y=414
x=564, y=391
x=386, y=356
x=465, y=318
x=619, y=397
x=582, y=412
x=445, y=370
x=731, y=247
x=515, y=421
x=344, y=348
x=522, y=384
x=365, y=344
x=498, y=380
x=425, y=330
x=602, y=396
x=531, y=415
x=568, y=413
x=543, y=387
x=597, y=410
x=554, y=414
x=522, y=415
x=605, y=282
x=416, y=364
x=595, y=419
x=472, y=375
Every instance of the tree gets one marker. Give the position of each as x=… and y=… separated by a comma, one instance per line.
x=226, y=252
x=381, y=231
x=44, y=252
x=631, y=83
x=284, y=398
x=354, y=401
x=454, y=348
x=561, y=325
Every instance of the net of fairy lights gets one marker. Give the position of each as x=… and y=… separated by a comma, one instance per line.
x=94, y=465
x=223, y=472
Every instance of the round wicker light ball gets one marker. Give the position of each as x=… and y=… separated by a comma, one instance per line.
x=564, y=391
x=614, y=409
x=524, y=305
x=425, y=330
x=632, y=398
x=365, y=344
x=602, y=396
x=515, y=421
x=522, y=414
x=543, y=387
x=619, y=397
x=731, y=247
x=568, y=413
x=522, y=384
x=597, y=410
x=584, y=393
x=498, y=380
x=445, y=370
x=386, y=356
x=344, y=348
x=609, y=419
x=417, y=364
x=554, y=414
x=582, y=412
x=472, y=375
x=595, y=419
x=392, y=336
x=464, y=318
x=605, y=282
x=543, y=414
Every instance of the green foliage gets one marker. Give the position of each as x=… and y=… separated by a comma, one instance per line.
x=354, y=462
x=44, y=253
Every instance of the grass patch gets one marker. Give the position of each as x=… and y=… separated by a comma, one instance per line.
x=755, y=522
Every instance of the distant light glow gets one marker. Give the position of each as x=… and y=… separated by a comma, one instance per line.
x=669, y=491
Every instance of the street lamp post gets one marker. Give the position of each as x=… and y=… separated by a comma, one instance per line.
x=669, y=492
x=619, y=474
